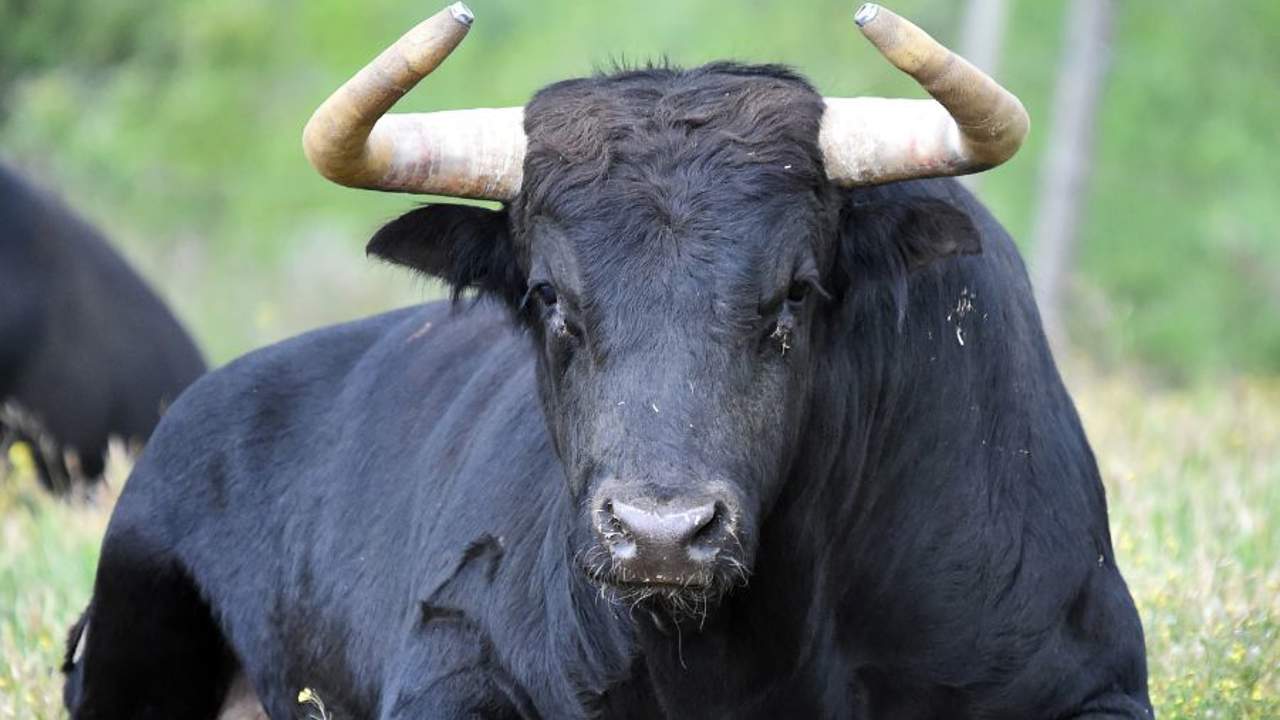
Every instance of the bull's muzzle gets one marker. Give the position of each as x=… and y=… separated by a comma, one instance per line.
x=677, y=542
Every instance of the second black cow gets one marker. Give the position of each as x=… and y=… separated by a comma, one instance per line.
x=87, y=350
x=748, y=423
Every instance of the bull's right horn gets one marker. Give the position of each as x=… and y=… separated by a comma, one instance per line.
x=972, y=124
x=463, y=153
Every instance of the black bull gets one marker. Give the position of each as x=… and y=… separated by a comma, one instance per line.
x=452, y=511
x=87, y=350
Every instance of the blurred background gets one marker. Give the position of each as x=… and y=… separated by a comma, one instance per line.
x=1147, y=201
x=176, y=128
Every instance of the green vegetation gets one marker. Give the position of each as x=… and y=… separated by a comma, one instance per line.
x=176, y=127
x=1193, y=479
x=48, y=552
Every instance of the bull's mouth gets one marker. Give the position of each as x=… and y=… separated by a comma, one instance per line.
x=677, y=602
x=699, y=585
x=677, y=596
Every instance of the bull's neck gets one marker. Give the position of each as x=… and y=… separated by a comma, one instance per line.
x=778, y=626
x=628, y=660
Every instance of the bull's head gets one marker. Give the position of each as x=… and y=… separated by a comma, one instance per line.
x=672, y=240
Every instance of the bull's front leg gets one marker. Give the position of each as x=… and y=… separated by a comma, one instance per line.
x=449, y=669
x=1114, y=706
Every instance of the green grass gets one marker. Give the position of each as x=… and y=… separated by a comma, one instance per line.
x=48, y=552
x=1193, y=479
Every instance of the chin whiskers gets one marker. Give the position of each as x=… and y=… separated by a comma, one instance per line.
x=692, y=600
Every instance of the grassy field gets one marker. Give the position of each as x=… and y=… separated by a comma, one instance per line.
x=1193, y=478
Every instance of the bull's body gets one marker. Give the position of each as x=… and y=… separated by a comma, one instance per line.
x=87, y=350
x=376, y=511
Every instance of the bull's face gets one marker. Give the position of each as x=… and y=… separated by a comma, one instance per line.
x=675, y=252
x=671, y=254
x=674, y=372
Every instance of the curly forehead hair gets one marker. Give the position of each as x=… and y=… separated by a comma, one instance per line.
x=638, y=127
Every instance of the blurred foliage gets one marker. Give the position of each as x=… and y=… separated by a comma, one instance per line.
x=175, y=126
x=1183, y=231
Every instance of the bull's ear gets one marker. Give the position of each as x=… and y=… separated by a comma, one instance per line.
x=886, y=239
x=923, y=230
x=463, y=245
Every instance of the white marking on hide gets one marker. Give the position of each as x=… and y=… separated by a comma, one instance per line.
x=241, y=702
x=84, y=640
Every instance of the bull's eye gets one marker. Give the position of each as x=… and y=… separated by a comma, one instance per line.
x=553, y=312
x=545, y=293
x=798, y=291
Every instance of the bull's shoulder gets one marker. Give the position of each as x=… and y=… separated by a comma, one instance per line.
x=234, y=422
x=278, y=380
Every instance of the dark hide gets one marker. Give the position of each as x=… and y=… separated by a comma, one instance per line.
x=393, y=512
x=87, y=350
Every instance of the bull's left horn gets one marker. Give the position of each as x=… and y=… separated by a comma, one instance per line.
x=463, y=153
x=972, y=124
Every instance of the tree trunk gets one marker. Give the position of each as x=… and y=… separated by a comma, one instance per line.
x=982, y=33
x=1064, y=175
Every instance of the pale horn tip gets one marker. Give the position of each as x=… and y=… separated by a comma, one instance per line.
x=462, y=13
x=866, y=13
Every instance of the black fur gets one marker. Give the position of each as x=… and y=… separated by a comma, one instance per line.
x=392, y=512
x=87, y=350
x=465, y=246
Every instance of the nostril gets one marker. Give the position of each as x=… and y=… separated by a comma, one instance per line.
x=716, y=531
x=692, y=523
x=608, y=524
